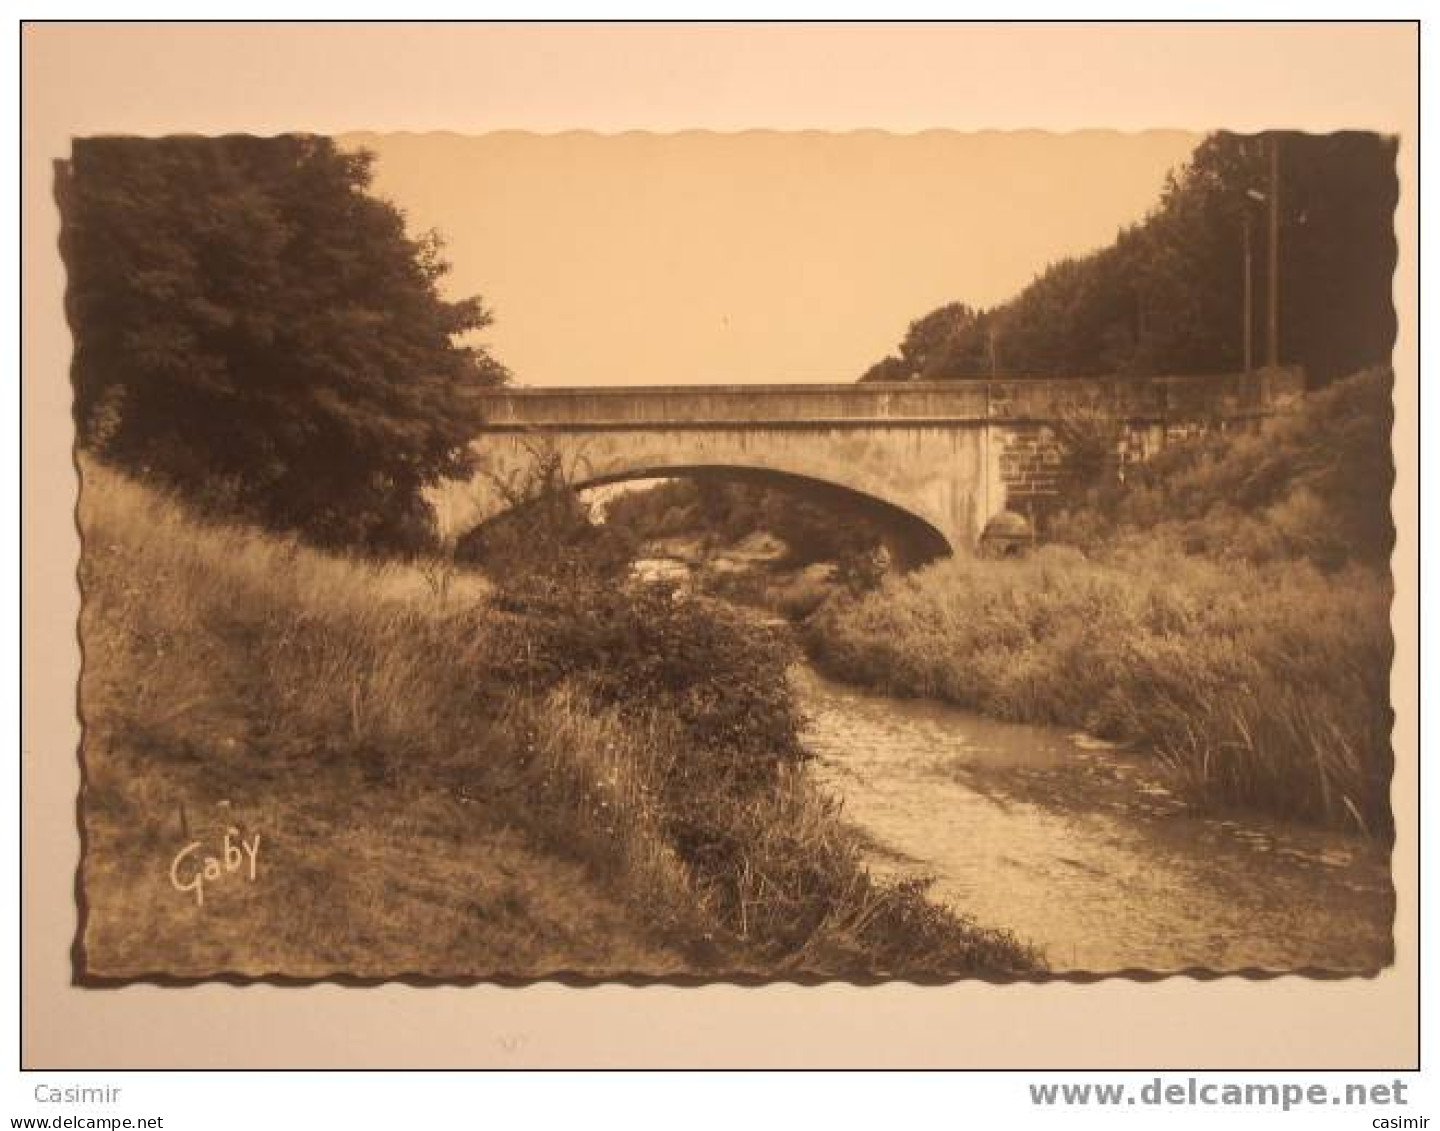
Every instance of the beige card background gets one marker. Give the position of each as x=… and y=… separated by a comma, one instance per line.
x=153, y=79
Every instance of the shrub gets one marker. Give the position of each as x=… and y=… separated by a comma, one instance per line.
x=1313, y=483
x=638, y=647
x=548, y=533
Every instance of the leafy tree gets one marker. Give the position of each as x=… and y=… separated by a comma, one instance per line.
x=254, y=328
x=933, y=346
x=888, y=369
x=1338, y=251
x=1168, y=295
x=928, y=338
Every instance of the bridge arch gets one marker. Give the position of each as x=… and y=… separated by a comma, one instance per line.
x=910, y=538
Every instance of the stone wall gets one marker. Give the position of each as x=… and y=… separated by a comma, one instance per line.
x=1034, y=459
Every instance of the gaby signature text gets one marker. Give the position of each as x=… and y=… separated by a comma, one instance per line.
x=191, y=869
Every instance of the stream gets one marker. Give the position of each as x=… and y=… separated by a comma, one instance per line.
x=1079, y=848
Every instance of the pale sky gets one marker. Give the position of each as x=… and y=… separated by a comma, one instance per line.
x=697, y=258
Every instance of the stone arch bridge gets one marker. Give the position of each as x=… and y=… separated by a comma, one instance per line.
x=929, y=462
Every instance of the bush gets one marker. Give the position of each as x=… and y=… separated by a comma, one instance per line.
x=1313, y=484
x=638, y=647
x=548, y=534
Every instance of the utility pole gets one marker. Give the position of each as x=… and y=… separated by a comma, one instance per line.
x=1247, y=318
x=1272, y=353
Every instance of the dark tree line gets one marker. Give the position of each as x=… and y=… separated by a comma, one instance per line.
x=253, y=328
x=1167, y=297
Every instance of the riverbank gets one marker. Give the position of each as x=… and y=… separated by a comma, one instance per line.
x=1228, y=609
x=424, y=800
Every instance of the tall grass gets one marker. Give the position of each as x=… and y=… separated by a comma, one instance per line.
x=1219, y=614
x=204, y=626
x=1265, y=687
x=216, y=654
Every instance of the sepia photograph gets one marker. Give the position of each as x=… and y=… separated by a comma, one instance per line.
x=753, y=556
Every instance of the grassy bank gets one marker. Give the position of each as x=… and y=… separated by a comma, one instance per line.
x=1228, y=608
x=445, y=783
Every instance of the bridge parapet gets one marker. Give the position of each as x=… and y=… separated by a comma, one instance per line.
x=1151, y=400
